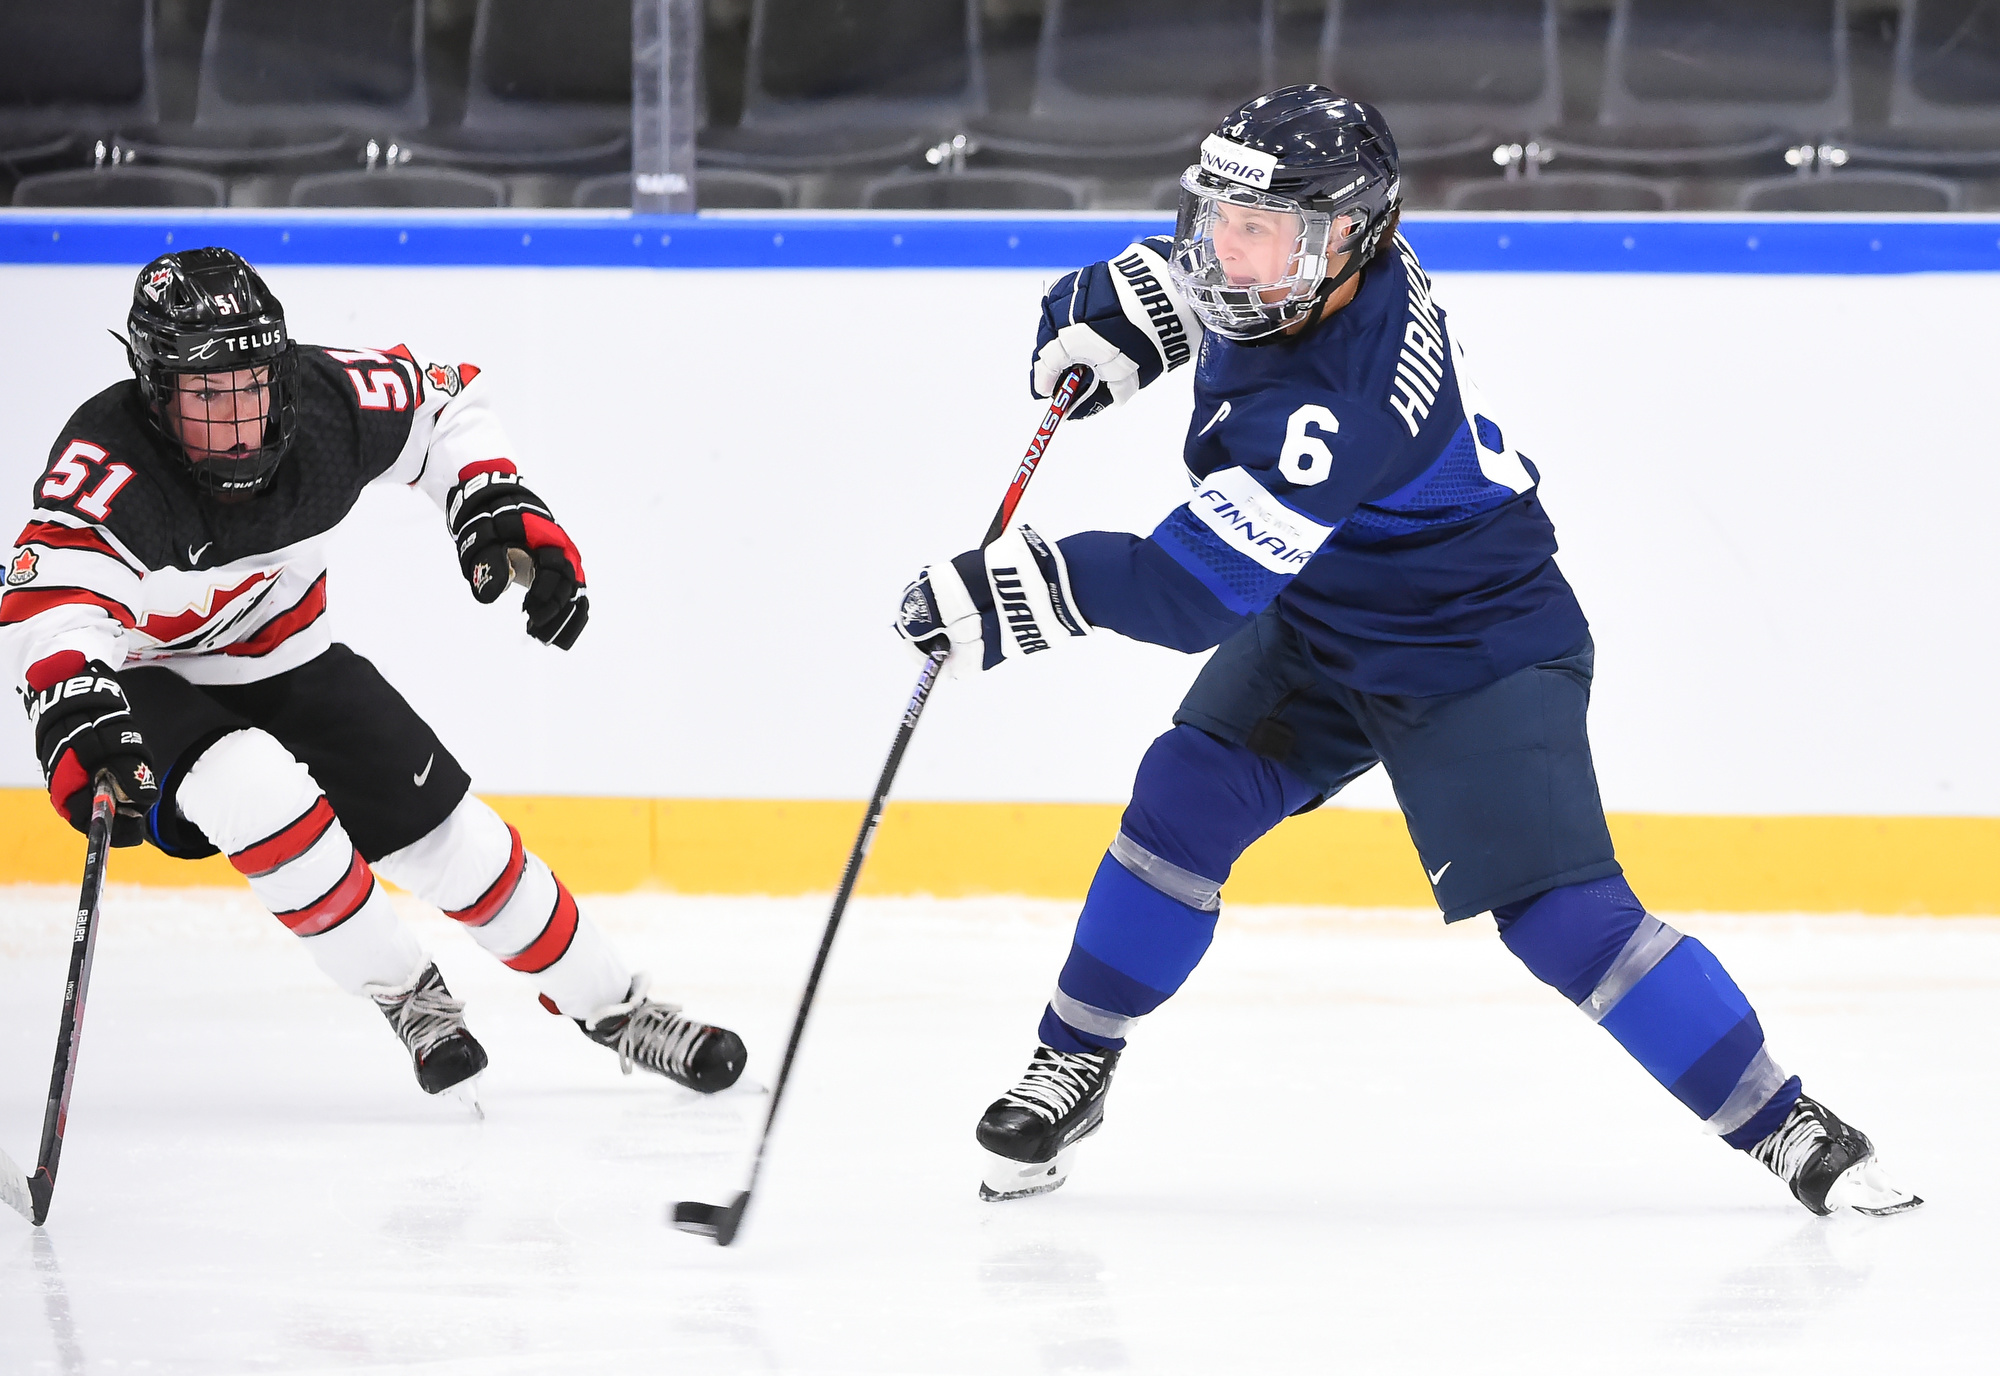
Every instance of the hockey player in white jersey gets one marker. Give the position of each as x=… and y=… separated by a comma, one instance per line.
x=164, y=604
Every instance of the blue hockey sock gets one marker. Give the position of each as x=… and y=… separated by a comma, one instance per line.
x=1151, y=911
x=1134, y=947
x=1662, y=995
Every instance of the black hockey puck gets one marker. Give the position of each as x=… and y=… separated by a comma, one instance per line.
x=719, y=1221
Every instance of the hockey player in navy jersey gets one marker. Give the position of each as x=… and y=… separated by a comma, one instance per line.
x=1365, y=545
x=164, y=608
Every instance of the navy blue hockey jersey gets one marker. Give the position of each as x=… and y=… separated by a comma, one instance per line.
x=1355, y=475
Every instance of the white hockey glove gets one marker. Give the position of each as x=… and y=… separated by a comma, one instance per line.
x=1123, y=319
x=1007, y=601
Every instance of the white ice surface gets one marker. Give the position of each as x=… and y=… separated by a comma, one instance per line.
x=1356, y=1142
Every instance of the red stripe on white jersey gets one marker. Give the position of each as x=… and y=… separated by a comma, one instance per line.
x=54, y=536
x=338, y=904
x=22, y=603
x=287, y=845
x=548, y=948
x=285, y=624
x=473, y=470
x=45, y=674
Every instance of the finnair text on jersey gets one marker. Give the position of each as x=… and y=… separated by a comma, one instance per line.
x=1244, y=526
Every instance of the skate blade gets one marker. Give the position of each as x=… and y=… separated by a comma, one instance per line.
x=1866, y=1188
x=466, y=1093
x=1008, y=1179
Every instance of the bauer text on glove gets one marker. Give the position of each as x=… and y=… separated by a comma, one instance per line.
x=83, y=725
x=1122, y=319
x=496, y=523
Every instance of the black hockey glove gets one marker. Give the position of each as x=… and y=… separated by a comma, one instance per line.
x=82, y=724
x=1007, y=601
x=502, y=532
x=1124, y=319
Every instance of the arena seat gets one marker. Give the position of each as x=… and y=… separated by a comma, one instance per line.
x=123, y=186
x=851, y=83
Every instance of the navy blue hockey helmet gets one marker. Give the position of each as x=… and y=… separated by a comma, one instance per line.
x=1286, y=184
x=207, y=341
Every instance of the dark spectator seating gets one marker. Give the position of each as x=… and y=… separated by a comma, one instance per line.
x=715, y=188
x=1947, y=73
x=1452, y=76
x=401, y=188
x=1715, y=84
x=852, y=83
x=988, y=189
x=1944, y=91
x=280, y=64
x=550, y=85
x=123, y=186
x=1138, y=81
x=71, y=68
x=1562, y=191
x=1853, y=193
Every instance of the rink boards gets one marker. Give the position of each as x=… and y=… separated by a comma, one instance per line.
x=1764, y=444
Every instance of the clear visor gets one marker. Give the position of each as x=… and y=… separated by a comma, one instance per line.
x=1248, y=261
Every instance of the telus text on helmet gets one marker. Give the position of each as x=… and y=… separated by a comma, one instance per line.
x=1236, y=162
x=231, y=344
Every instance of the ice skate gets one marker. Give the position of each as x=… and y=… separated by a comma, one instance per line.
x=431, y=1023
x=1830, y=1165
x=659, y=1037
x=1030, y=1132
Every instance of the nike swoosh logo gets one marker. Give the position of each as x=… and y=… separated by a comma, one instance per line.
x=194, y=555
x=425, y=773
x=1440, y=873
x=1214, y=420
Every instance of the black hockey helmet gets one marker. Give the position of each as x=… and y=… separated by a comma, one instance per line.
x=1310, y=161
x=207, y=341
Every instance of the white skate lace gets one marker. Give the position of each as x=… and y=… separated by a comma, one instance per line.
x=424, y=1015
x=1055, y=1083
x=1786, y=1150
x=655, y=1035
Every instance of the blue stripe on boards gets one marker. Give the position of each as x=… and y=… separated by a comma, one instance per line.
x=1447, y=243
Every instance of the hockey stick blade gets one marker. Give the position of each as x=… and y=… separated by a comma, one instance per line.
x=14, y=1188
x=719, y=1221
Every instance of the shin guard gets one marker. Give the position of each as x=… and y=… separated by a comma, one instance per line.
x=1661, y=995
x=474, y=867
x=258, y=804
x=1152, y=908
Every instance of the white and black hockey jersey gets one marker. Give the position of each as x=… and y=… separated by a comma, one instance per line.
x=128, y=561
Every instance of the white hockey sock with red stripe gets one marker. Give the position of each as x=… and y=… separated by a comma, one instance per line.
x=262, y=808
x=473, y=866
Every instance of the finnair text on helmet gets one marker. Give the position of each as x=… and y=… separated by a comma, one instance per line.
x=1234, y=161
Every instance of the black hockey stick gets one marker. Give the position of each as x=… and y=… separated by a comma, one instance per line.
x=30, y=1195
x=720, y=1221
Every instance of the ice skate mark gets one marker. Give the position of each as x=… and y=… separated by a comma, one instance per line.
x=424, y=773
